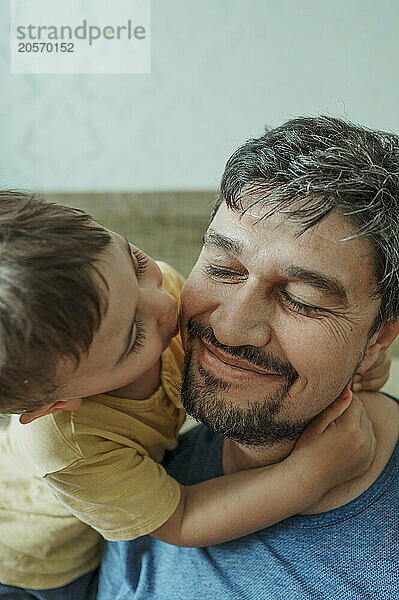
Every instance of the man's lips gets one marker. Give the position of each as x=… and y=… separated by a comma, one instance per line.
x=236, y=363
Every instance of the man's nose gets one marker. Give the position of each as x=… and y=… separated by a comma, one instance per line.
x=242, y=319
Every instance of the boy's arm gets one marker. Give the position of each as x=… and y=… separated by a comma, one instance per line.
x=376, y=376
x=338, y=445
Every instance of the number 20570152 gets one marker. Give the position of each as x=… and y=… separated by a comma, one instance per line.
x=46, y=47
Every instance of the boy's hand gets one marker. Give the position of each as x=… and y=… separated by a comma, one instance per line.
x=376, y=376
x=339, y=444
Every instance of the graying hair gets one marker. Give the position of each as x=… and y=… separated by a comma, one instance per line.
x=329, y=165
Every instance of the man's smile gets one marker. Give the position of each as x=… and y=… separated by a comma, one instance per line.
x=229, y=366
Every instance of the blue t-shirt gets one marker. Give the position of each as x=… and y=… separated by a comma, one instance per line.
x=350, y=553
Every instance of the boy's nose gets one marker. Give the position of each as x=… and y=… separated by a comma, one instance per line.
x=167, y=308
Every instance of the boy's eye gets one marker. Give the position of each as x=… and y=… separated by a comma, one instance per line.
x=142, y=261
x=140, y=338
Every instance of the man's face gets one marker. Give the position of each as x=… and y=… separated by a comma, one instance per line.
x=274, y=324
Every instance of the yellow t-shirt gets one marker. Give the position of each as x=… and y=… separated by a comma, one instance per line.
x=71, y=477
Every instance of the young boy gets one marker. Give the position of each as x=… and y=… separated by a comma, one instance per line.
x=82, y=313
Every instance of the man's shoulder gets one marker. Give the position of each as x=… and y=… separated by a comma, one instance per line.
x=383, y=412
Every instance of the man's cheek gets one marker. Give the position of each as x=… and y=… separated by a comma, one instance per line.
x=321, y=375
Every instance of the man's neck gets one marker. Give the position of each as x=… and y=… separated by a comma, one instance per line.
x=384, y=416
x=237, y=457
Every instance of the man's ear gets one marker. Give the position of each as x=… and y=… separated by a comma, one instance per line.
x=47, y=409
x=379, y=342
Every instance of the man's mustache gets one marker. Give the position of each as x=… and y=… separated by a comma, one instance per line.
x=251, y=354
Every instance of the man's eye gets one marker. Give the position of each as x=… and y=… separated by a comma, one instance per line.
x=305, y=309
x=142, y=261
x=222, y=273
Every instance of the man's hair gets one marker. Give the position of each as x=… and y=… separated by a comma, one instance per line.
x=51, y=300
x=328, y=165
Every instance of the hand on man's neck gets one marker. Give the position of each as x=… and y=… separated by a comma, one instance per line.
x=383, y=413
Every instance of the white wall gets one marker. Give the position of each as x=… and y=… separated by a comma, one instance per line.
x=221, y=70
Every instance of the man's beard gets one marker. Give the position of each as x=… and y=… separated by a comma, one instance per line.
x=255, y=426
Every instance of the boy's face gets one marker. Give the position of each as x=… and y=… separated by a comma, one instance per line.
x=140, y=321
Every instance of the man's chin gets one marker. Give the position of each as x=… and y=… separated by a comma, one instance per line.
x=256, y=425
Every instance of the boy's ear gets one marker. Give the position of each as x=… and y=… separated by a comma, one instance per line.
x=47, y=409
x=379, y=342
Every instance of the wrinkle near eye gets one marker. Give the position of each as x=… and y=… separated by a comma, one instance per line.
x=339, y=329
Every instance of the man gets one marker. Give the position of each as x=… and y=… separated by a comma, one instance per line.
x=295, y=288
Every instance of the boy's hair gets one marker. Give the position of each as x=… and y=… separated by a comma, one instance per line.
x=329, y=165
x=51, y=303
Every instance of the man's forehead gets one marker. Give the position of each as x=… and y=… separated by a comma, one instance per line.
x=259, y=221
x=293, y=213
